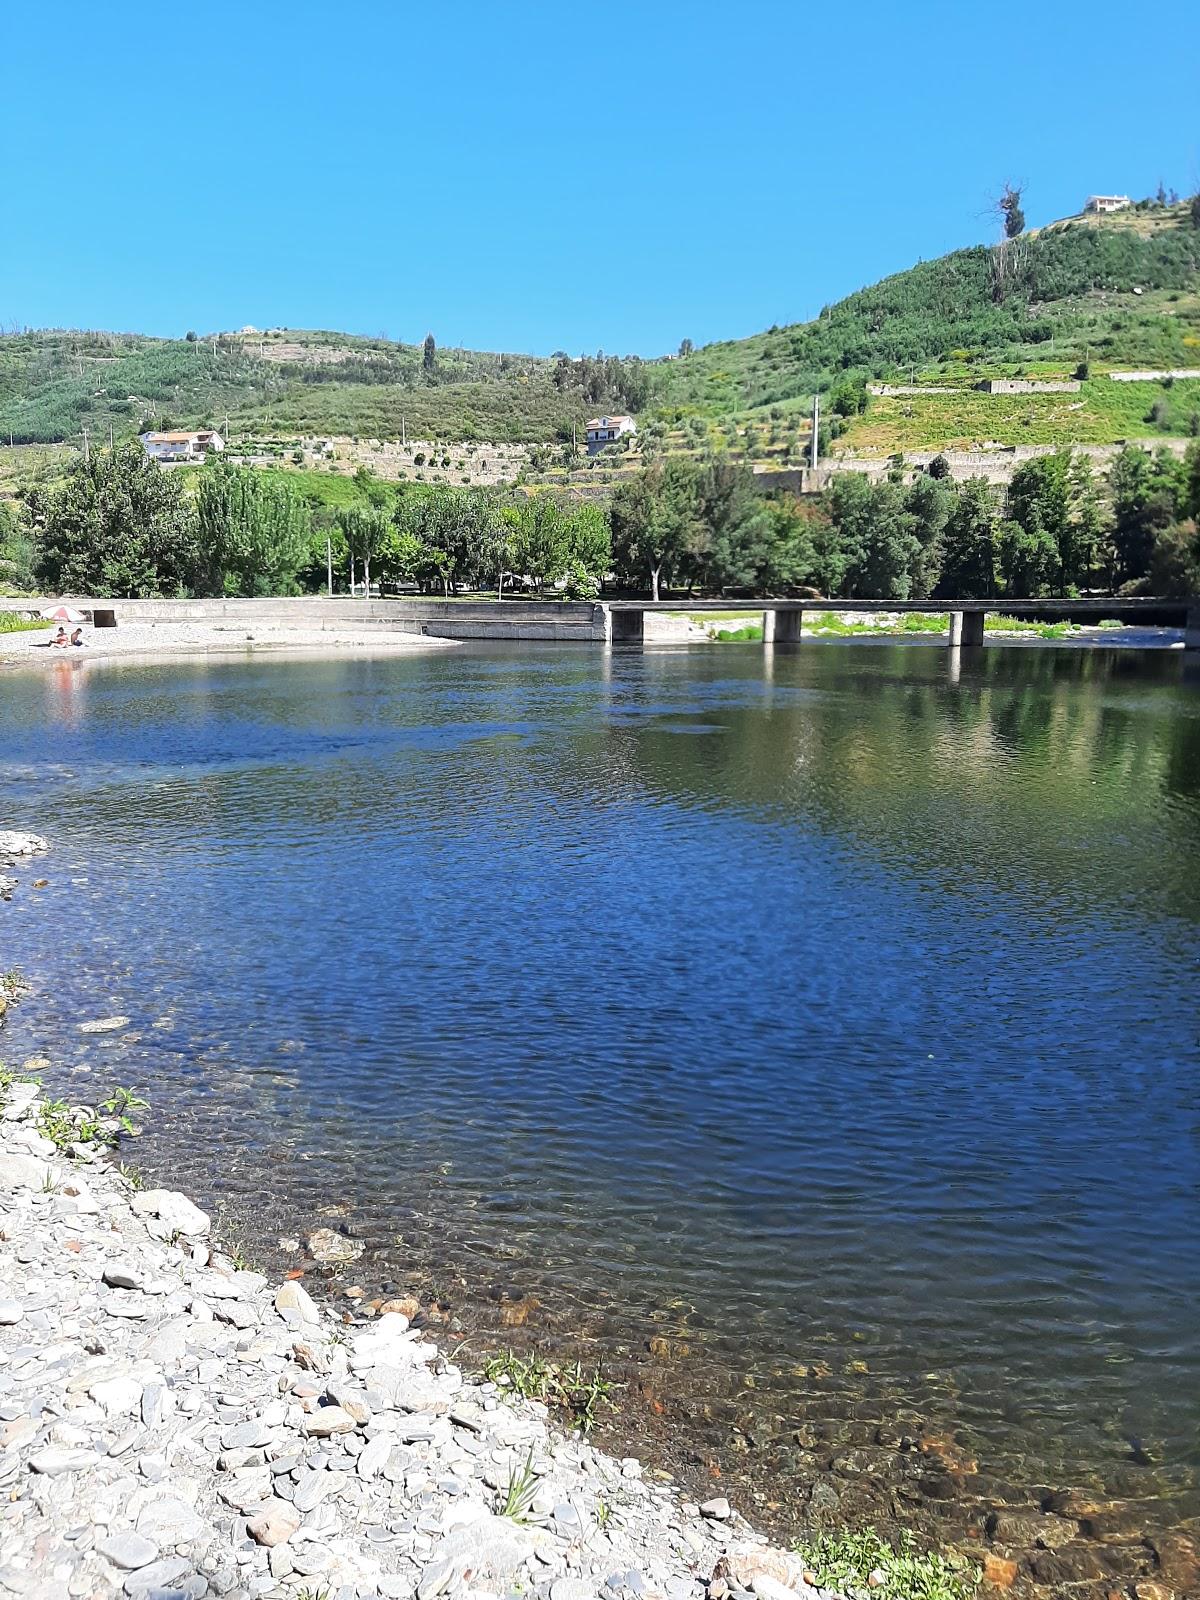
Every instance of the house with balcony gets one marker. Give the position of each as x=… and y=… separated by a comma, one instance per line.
x=180, y=445
x=603, y=431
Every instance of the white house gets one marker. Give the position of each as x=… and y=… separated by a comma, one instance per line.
x=1104, y=203
x=606, y=430
x=182, y=446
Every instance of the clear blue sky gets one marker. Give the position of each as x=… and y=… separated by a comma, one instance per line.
x=529, y=176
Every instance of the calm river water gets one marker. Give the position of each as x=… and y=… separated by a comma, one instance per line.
x=810, y=1036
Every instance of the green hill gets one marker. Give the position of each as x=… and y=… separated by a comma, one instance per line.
x=55, y=382
x=1116, y=289
x=1111, y=292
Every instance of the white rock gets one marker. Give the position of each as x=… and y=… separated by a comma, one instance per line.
x=175, y=1210
x=327, y=1420
x=123, y=1275
x=169, y=1521
x=52, y=1461
x=104, y=1025
x=129, y=1551
x=718, y=1509
x=22, y=1172
x=15, y=843
x=373, y=1458
x=117, y=1395
x=10, y=1313
x=292, y=1296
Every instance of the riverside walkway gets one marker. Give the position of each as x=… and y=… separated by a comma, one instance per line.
x=783, y=620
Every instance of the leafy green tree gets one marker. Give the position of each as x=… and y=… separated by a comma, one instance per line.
x=118, y=525
x=733, y=527
x=540, y=545
x=928, y=502
x=463, y=525
x=969, y=544
x=372, y=489
x=589, y=539
x=1029, y=560
x=1039, y=498
x=879, y=546
x=652, y=518
x=792, y=557
x=255, y=529
x=1175, y=561
x=429, y=353
x=366, y=530
x=1147, y=495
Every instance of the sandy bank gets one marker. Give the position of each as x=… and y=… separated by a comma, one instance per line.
x=204, y=638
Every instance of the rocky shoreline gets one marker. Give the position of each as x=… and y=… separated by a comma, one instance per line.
x=173, y=1425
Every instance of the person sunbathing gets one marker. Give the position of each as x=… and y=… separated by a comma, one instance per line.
x=77, y=638
x=60, y=637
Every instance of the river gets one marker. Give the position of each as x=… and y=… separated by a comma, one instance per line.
x=808, y=1036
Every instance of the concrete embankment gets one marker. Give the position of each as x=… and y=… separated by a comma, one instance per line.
x=564, y=620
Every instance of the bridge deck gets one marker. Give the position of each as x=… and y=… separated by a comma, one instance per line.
x=1148, y=612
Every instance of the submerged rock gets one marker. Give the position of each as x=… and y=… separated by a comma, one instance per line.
x=330, y=1247
x=14, y=843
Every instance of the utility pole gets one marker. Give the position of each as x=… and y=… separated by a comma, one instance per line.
x=816, y=431
x=84, y=432
x=403, y=432
x=329, y=563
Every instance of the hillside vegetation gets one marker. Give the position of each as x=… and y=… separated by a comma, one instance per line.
x=1096, y=293
x=1067, y=293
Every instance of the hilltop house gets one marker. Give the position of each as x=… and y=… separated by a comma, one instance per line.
x=182, y=446
x=607, y=430
x=1104, y=203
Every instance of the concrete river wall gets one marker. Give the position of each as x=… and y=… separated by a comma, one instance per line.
x=560, y=620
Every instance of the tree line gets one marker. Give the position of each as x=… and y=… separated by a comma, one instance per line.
x=121, y=524
x=1057, y=529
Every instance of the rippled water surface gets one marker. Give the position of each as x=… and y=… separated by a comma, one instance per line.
x=826, y=1017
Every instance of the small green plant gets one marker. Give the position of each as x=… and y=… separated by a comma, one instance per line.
x=65, y=1125
x=583, y=1393
x=520, y=1490
x=12, y=984
x=120, y=1103
x=132, y=1175
x=579, y=1393
x=846, y=1560
x=603, y=1512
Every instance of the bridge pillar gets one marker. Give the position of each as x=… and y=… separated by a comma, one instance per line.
x=628, y=627
x=966, y=629
x=768, y=627
x=787, y=626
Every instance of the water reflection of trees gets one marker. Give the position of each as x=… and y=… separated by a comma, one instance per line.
x=1041, y=772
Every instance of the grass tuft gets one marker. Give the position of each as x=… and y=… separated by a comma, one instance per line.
x=581, y=1394
x=854, y=1563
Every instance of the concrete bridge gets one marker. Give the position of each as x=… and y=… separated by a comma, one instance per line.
x=783, y=620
